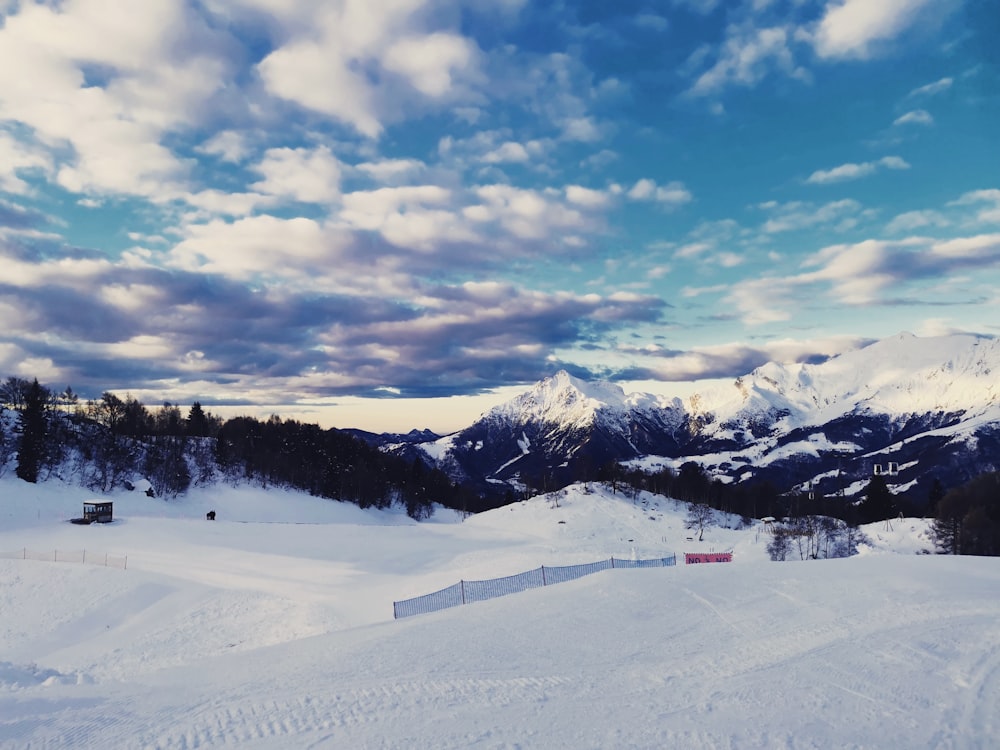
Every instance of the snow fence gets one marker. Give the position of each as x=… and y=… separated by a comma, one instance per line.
x=466, y=592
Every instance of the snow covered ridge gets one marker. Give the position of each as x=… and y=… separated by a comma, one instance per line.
x=930, y=406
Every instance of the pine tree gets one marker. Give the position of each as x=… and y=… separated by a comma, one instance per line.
x=878, y=504
x=31, y=447
x=197, y=421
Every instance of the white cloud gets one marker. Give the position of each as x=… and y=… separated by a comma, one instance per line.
x=583, y=129
x=306, y=175
x=219, y=202
x=364, y=64
x=693, y=249
x=915, y=117
x=228, y=145
x=842, y=173
x=108, y=79
x=988, y=200
x=911, y=220
x=509, y=152
x=419, y=217
x=671, y=194
x=527, y=214
x=797, y=215
x=587, y=197
x=314, y=76
x=856, y=28
x=392, y=171
x=256, y=246
x=18, y=157
x=430, y=62
x=746, y=57
x=932, y=89
x=851, y=171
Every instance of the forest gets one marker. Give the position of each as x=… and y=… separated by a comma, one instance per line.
x=104, y=444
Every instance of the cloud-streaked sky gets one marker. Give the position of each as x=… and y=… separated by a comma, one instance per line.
x=295, y=204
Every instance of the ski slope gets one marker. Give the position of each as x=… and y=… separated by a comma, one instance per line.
x=271, y=628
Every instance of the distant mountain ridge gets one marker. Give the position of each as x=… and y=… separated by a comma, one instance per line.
x=929, y=406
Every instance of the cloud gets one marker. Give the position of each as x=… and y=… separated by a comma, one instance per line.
x=508, y=152
x=734, y=359
x=796, y=215
x=300, y=174
x=256, y=247
x=366, y=65
x=850, y=171
x=16, y=158
x=14, y=216
x=911, y=220
x=987, y=201
x=915, y=117
x=526, y=214
x=133, y=326
x=932, y=89
x=421, y=217
x=670, y=195
x=587, y=197
x=392, y=171
x=747, y=55
x=228, y=145
x=867, y=273
x=109, y=83
x=858, y=28
x=431, y=61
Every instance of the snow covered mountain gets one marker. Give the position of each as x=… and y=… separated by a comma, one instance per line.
x=915, y=409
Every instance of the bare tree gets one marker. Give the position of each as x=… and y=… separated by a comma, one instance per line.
x=699, y=516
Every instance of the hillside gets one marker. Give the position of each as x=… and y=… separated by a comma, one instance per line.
x=271, y=627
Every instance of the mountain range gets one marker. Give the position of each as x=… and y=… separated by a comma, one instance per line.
x=914, y=409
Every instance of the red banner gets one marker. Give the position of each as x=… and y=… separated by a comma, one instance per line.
x=707, y=557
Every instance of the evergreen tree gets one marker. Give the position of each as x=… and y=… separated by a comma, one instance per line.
x=197, y=421
x=968, y=518
x=31, y=447
x=878, y=504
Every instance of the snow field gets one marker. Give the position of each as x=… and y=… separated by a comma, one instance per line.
x=272, y=635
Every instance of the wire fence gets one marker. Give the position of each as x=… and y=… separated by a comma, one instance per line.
x=466, y=592
x=68, y=556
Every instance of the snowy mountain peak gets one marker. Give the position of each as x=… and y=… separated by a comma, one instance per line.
x=563, y=398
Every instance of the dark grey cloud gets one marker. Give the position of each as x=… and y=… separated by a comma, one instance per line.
x=131, y=328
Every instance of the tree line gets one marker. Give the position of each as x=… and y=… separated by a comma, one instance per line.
x=965, y=519
x=107, y=443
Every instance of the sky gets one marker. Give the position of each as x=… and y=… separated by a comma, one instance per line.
x=387, y=214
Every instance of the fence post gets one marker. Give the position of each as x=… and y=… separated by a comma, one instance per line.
x=543, y=576
x=84, y=557
x=463, y=591
x=125, y=566
x=612, y=562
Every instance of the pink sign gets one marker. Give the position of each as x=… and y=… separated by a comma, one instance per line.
x=707, y=557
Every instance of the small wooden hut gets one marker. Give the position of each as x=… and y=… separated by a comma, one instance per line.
x=97, y=512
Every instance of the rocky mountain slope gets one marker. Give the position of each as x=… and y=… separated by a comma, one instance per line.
x=915, y=409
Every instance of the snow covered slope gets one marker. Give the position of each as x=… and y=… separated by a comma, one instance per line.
x=271, y=628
